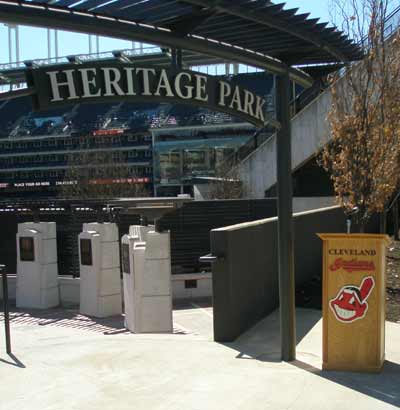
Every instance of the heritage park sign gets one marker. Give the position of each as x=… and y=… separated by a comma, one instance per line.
x=62, y=85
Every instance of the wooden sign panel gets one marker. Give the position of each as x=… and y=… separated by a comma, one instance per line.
x=354, y=301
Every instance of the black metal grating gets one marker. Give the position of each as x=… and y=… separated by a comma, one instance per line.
x=189, y=225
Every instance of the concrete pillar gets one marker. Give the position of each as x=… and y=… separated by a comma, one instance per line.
x=100, y=287
x=146, y=266
x=37, y=271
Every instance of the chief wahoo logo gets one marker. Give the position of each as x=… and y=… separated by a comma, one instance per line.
x=351, y=304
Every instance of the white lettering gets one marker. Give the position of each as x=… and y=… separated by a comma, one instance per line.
x=224, y=90
x=129, y=80
x=259, y=108
x=146, y=79
x=188, y=88
x=112, y=83
x=86, y=82
x=201, y=84
x=163, y=83
x=55, y=85
x=236, y=100
x=248, y=102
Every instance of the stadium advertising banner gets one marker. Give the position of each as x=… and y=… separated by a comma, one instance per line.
x=96, y=82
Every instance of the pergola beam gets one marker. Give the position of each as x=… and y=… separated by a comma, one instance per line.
x=87, y=22
x=267, y=20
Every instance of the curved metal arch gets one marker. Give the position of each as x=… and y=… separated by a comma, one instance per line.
x=273, y=21
x=63, y=18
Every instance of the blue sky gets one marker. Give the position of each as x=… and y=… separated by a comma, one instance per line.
x=33, y=41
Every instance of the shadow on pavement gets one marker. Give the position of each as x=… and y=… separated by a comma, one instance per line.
x=384, y=386
x=262, y=342
x=68, y=318
x=15, y=361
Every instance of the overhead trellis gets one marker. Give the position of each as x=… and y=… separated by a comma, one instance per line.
x=254, y=32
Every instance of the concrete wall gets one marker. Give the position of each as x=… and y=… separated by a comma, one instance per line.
x=310, y=131
x=302, y=204
x=69, y=288
x=245, y=276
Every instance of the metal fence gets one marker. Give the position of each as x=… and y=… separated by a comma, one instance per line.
x=189, y=225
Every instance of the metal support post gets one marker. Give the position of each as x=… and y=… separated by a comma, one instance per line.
x=395, y=211
x=10, y=44
x=285, y=221
x=227, y=68
x=382, y=222
x=48, y=43
x=179, y=58
x=56, y=44
x=17, y=56
x=6, y=309
x=176, y=57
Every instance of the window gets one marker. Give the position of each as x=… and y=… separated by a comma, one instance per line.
x=147, y=154
x=132, y=138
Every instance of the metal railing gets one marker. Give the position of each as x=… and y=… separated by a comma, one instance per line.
x=138, y=51
x=6, y=308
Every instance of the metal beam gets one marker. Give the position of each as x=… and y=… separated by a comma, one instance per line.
x=265, y=19
x=85, y=22
x=285, y=221
x=25, y=92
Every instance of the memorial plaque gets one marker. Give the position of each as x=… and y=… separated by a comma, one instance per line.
x=126, y=266
x=26, y=249
x=86, y=252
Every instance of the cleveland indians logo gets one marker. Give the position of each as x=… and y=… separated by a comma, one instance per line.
x=351, y=304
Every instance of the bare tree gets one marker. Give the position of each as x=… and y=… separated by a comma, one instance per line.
x=363, y=155
x=226, y=183
x=101, y=174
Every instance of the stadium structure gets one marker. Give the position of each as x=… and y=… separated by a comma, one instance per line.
x=166, y=148
x=163, y=146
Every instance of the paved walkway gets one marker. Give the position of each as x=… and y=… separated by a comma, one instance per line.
x=67, y=361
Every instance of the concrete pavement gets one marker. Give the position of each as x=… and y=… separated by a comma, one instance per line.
x=67, y=361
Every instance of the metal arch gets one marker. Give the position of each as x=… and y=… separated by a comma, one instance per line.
x=268, y=21
x=49, y=16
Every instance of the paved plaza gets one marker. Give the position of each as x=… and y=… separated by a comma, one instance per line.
x=63, y=360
